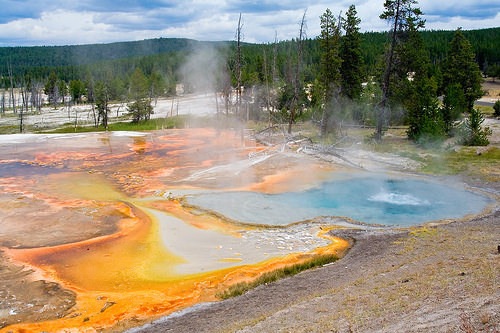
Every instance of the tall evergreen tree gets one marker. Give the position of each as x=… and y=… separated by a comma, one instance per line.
x=101, y=101
x=330, y=64
x=63, y=90
x=76, y=90
x=418, y=93
x=461, y=70
x=352, y=58
x=400, y=13
x=140, y=108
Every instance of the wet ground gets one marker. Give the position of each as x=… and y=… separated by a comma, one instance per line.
x=95, y=232
x=98, y=234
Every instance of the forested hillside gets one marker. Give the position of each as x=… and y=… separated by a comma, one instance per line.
x=287, y=78
x=69, y=61
x=25, y=58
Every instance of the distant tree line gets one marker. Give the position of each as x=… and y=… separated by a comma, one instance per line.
x=404, y=70
x=40, y=61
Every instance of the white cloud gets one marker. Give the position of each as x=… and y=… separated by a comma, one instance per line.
x=217, y=20
x=452, y=23
x=59, y=27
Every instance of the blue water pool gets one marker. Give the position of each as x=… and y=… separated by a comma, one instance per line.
x=371, y=198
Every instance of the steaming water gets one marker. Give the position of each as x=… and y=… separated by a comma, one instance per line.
x=365, y=198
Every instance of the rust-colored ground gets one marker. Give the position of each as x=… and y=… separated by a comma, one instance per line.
x=80, y=248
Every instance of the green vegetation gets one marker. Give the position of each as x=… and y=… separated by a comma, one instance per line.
x=471, y=133
x=460, y=71
x=269, y=277
x=496, y=107
x=70, y=61
x=331, y=62
x=149, y=125
x=405, y=21
x=140, y=108
x=317, y=80
x=102, y=101
x=425, y=119
x=468, y=160
x=12, y=129
x=352, y=56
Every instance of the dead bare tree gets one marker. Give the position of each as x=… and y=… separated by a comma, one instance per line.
x=36, y=96
x=238, y=65
x=3, y=101
x=226, y=88
x=21, y=116
x=25, y=94
x=298, y=70
x=268, y=92
x=275, y=55
x=12, y=97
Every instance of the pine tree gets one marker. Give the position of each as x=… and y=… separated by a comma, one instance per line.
x=352, y=58
x=330, y=64
x=63, y=90
x=460, y=69
x=418, y=92
x=401, y=14
x=76, y=90
x=496, y=107
x=51, y=88
x=140, y=108
x=102, y=100
x=471, y=131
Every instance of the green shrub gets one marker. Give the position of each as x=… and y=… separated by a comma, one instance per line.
x=471, y=133
x=496, y=107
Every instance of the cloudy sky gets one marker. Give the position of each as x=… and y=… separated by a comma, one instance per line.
x=61, y=22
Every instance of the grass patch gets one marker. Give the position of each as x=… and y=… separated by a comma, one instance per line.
x=241, y=288
x=487, y=110
x=467, y=160
x=152, y=124
x=424, y=232
x=10, y=129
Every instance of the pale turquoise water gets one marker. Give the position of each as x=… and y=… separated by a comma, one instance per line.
x=371, y=198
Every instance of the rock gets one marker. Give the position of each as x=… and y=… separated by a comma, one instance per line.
x=107, y=305
x=482, y=150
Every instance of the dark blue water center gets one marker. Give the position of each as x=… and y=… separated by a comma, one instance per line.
x=369, y=198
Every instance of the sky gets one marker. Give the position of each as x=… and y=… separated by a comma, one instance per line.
x=67, y=22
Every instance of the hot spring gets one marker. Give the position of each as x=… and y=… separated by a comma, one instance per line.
x=100, y=215
x=364, y=197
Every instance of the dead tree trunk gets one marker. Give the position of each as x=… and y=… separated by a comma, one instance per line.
x=275, y=55
x=216, y=104
x=21, y=112
x=13, y=99
x=21, y=125
x=268, y=93
x=238, y=66
x=296, y=84
x=239, y=110
x=36, y=96
x=3, y=101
